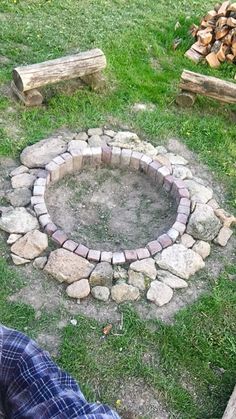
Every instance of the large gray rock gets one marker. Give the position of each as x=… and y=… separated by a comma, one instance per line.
x=202, y=248
x=182, y=172
x=100, y=293
x=180, y=261
x=171, y=280
x=159, y=293
x=18, y=220
x=198, y=192
x=31, y=245
x=124, y=292
x=145, y=266
x=79, y=289
x=41, y=153
x=67, y=267
x=24, y=180
x=102, y=275
x=20, y=197
x=203, y=223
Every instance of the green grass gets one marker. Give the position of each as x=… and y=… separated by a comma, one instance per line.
x=133, y=35
x=193, y=360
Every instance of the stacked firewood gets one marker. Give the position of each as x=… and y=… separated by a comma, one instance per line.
x=216, y=36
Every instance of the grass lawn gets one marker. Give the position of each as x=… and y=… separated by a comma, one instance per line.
x=194, y=360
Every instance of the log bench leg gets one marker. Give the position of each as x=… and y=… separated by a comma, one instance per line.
x=30, y=98
x=186, y=99
x=96, y=81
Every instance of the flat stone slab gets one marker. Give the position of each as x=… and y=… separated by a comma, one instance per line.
x=31, y=245
x=67, y=267
x=203, y=223
x=124, y=292
x=159, y=293
x=171, y=280
x=41, y=153
x=145, y=266
x=180, y=261
x=18, y=221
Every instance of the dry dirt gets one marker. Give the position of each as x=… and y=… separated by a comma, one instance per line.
x=110, y=209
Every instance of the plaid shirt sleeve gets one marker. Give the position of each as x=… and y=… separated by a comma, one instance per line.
x=32, y=386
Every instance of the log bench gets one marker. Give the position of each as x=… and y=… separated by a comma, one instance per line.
x=193, y=84
x=86, y=65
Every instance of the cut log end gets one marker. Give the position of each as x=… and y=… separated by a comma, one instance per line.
x=185, y=99
x=96, y=81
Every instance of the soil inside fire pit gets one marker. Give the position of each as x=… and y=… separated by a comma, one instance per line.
x=109, y=208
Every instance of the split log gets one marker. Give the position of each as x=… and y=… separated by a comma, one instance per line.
x=208, y=86
x=186, y=99
x=213, y=60
x=232, y=7
x=193, y=55
x=231, y=22
x=66, y=68
x=223, y=8
x=221, y=53
x=30, y=98
x=202, y=49
x=230, y=412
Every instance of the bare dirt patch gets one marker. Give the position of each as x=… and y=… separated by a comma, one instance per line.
x=110, y=208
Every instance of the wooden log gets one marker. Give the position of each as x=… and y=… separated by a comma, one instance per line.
x=204, y=37
x=202, y=49
x=186, y=99
x=30, y=98
x=223, y=9
x=230, y=412
x=213, y=60
x=221, y=53
x=231, y=7
x=222, y=21
x=65, y=68
x=220, y=33
x=231, y=22
x=193, y=55
x=212, y=87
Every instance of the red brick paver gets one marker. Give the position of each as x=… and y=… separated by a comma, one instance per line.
x=154, y=247
x=118, y=258
x=143, y=253
x=59, y=237
x=82, y=250
x=130, y=255
x=94, y=255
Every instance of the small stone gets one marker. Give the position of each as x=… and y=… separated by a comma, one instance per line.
x=180, y=261
x=223, y=236
x=31, y=245
x=226, y=218
x=13, y=238
x=202, y=248
x=137, y=279
x=42, y=152
x=96, y=141
x=73, y=322
x=67, y=266
x=40, y=262
x=102, y=275
x=109, y=132
x=182, y=172
x=176, y=159
x=19, y=170
x=79, y=289
x=187, y=240
x=95, y=131
x=159, y=293
x=171, y=280
x=81, y=136
x=17, y=260
x=145, y=266
x=124, y=292
x=18, y=220
x=120, y=273
x=25, y=180
x=161, y=158
x=77, y=145
x=161, y=149
x=101, y=293
x=124, y=137
x=142, y=107
x=203, y=223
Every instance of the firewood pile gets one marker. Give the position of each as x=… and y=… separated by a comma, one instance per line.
x=215, y=37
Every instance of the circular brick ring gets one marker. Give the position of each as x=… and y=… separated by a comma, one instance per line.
x=67, y=163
